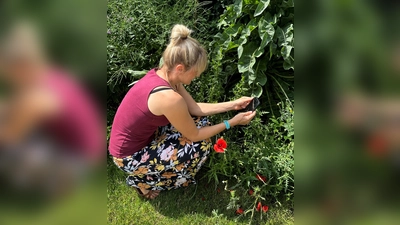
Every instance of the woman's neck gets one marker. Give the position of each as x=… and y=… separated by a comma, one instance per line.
x=168, y=76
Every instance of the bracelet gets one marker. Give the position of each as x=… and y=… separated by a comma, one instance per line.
x=227, y=125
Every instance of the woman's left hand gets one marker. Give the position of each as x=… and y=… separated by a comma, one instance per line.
x=241, y=103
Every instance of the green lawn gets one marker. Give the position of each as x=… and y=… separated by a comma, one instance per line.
x=196, y=204
x=84, y=204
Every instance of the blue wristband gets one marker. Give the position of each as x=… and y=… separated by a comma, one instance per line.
x=227, y=124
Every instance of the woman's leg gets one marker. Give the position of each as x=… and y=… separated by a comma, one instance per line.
x=170, y=161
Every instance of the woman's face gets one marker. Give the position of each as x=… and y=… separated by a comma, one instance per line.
x=15, y=73
x=188, y=76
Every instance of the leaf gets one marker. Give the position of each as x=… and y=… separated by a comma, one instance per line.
x=233, y=31
x=223, y=37
x=261, y=7
x=226, y=43
x=280, y=36
x=258, y=52
x=135, y=73
x=246, y=33
x=261, y=68
x=238, y=7
x=269, y=18
x=256, y=91
x=247, y=59
x=288, y=4
x=285, y=51
x=251, y=76
x=240, y=51
x=232, y=45
x=266, y=32
x=280, y=13
x=219, y=36
x=261, y=79
x=288, y=64
x=221, y=23
x=288, y=30
x=251, y=26
x=272, y=49
x=246, y=63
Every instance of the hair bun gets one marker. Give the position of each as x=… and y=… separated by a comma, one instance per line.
x=185, y=50
x=179, y=32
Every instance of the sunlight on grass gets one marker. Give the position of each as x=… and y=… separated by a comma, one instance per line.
x=85, y=205
x=192, y=205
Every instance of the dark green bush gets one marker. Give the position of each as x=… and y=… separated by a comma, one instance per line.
x=138, y=32
x=253, y=55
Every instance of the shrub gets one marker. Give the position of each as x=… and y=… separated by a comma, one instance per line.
x=257, y=151
x=253, y=54
x=138, y=32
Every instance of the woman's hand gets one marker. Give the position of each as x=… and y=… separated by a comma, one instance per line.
x=243, y=118
x=241, y=103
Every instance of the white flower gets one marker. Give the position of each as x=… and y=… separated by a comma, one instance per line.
x=180, y=181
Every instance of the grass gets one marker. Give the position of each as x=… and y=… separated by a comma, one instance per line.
x=204, y=203
x=85, y=204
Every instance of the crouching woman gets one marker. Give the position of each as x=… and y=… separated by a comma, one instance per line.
x=160, y=135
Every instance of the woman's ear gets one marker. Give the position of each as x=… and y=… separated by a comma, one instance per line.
x=180, y=68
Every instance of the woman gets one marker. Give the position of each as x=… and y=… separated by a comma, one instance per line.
x=49, y=124
x=154, y=137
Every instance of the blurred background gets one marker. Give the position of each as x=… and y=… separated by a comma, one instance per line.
x=52, y=135
x=348, y=112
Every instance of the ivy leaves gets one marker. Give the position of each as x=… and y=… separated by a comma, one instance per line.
x=261, y=37
x=266, y=31
x=261, y=7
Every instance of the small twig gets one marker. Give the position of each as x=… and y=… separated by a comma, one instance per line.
x=194, y=192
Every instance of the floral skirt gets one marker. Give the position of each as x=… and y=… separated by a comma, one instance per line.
x=170, y=161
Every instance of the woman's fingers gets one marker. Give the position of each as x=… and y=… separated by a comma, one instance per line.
x=250, y=115
x=246, y=100
x=242, y=102
x=247, y=117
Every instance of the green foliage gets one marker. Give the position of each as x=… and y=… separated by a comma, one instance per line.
x=138, y=32
x=267, y=150
x=259, y=37
x=253, y=54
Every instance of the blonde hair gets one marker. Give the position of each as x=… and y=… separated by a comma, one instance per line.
x=22, y=44
x=185, y=50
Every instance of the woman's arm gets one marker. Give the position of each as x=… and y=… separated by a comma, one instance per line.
x=207, y=109
x=175, y=108
x=24, y=114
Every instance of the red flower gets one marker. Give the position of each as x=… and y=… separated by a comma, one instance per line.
x=251, y=192
x=239, y=211
x=377, y=145
x=218, y=190
x=265, y=208
x=258, y=206
x=261, y=178
x=220, y=146
x=203, y=198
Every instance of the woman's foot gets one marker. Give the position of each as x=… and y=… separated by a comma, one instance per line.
x=148, y=194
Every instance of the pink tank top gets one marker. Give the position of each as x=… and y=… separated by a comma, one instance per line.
x=78, y=126
x=134, y=125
